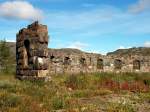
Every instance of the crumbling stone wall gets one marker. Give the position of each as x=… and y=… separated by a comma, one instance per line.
x=32, y=52
x=73, y=62
x=35, y=60
x=88, y=62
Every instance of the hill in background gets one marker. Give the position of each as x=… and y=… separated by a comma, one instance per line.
x=143, y=51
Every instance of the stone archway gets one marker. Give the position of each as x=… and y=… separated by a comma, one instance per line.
x=100, y=64
x=26, y=52
x=67, y=61
x=83, y=61
x=118, y=64
x=136, y=64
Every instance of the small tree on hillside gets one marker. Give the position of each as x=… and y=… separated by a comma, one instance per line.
x=5, y=60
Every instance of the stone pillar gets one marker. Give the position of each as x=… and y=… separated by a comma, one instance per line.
x=32, y=52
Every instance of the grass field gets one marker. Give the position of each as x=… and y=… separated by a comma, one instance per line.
x=97, y=92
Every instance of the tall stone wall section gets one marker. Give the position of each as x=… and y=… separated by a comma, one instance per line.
x=32, y=52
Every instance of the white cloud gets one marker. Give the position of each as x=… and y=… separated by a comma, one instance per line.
x=121, y=47
x=8, y=40
x=78, y=45
x=147, y=44
x=140, y=6
x=95, y=51
x=19, y=10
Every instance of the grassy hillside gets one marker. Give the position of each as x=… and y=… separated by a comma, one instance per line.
x=12, y=46
x=66, y=51
x=77, y=93
x=144, y=51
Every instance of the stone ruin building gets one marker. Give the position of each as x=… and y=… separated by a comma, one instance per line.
x=81, y=62
x=32, y=52
x=35, y=60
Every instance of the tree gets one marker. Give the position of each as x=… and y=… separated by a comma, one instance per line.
x=5, y=56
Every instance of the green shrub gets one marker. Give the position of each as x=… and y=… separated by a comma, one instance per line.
x=119, y=107
x=146, y=82
x=9, y=100
x=58, y=103
x=145, y=96
x=7, y=60
x=5, y=84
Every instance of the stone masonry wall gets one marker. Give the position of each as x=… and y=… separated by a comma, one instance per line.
x=60, y=63
x=32, y=52
x=34, y=60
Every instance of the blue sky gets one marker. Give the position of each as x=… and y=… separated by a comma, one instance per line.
x=97, y=26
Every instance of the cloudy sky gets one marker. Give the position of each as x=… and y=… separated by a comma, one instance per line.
x=90, y=25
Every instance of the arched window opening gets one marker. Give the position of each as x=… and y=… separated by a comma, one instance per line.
x=27, y=47
x=83, y=61
x=67, y=61
x=52, y=57
x=100, y=64
x=118, y=64
x=136, y=64
x=90, y=60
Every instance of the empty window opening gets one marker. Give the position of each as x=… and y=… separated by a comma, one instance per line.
x=90, y=60
x=100, y=64
x=52, y=57
x=27, y=46
x=67, y=61
x=136, y=64
x=118, y=64
x=83, y=61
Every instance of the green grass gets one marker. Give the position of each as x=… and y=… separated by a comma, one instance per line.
x=119, y=107
x=68, y=92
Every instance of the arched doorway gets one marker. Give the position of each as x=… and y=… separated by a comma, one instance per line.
x=136, y=64
x=118, y=64
x=83, y=61
x=67, y=61
x=27, y=54
x=100, y=64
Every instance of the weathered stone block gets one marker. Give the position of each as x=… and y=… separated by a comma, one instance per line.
x=21, y=49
